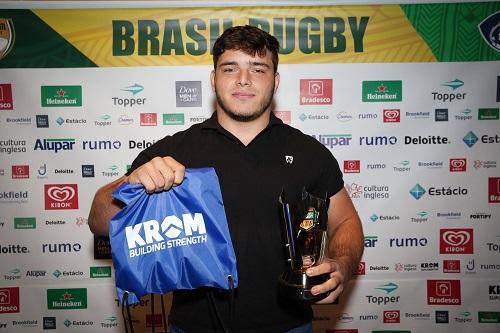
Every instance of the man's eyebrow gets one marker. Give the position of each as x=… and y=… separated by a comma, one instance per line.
x=256, y=63
x=252, y=63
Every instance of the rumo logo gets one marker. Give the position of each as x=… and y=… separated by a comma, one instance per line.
x=152, y=236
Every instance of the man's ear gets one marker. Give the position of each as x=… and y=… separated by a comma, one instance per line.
x=276, y=81
x=212, y=79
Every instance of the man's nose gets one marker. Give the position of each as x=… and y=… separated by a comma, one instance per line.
x=243, y=78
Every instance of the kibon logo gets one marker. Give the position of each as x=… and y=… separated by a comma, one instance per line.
x=392, y=115
x=61, y=196
x=456, y=241
x=61, y=96
x=391, y=317
x=6, y=101
x=9, y=300
x=443, y=292
x=382, y=91
x=458, y=164
x=316, y=91
x=7, y=36
x=65, y=299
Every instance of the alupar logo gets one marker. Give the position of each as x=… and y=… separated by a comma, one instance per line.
x=6, y=36
x=61, y=96
x=382, y=91
x=71, y=298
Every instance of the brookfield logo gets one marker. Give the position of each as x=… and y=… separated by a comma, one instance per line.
x=152, y=236
x=417, y=191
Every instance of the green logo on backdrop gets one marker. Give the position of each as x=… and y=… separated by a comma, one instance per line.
x=173, y=119
x=100, y=272
x=54, y=96
x=488, y=114
x=489, y=317
x=382, y=91
x=24, y=223
x=70, y=298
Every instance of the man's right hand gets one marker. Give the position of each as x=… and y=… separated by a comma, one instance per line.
x=159, y=174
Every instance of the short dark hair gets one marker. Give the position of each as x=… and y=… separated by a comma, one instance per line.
x=248, y=39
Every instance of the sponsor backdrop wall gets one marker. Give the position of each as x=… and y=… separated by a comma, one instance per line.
x=405, y=96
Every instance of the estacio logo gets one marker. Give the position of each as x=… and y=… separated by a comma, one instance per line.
x=392, y=115
x=61, y=96
x=6, y=102
x=456, y=241
x=382, y=91
x=443, y=292
x=61, y=196
x=316, y=91
x=493, y=189
x=9, y=300
x=391, y=317
x=7, y=36
x=417, y=191
x=458, y=164
x=146, y=237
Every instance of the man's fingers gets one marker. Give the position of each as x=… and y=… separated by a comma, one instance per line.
x=159, y=174
x=177, y=169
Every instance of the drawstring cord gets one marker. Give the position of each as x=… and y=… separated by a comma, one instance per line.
x=215, y=312
x=164, y=317
x=127, y=321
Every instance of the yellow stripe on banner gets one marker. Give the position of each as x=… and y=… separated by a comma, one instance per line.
x=183, y=36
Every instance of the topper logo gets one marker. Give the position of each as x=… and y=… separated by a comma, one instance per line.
x=61, y=194
x=151, y=231
x=456, y=238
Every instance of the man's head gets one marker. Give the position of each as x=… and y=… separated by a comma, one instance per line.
x=248, y=39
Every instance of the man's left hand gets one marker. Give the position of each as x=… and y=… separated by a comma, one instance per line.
x=335, y=284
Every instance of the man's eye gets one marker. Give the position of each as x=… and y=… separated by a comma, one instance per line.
x=228, y=70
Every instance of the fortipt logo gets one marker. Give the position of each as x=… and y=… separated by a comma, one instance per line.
x=61, y=196
x=417, y=191
x=9, y=300
x=316, y=91
x=443, y=292
x=61, y=96
x=63, y=299
x=470, y=139
x=6, y=102
x=382, y=91
x=153, y=236
x=456, y=241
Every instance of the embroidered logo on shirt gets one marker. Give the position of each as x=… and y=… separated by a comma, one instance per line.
x=289, y=159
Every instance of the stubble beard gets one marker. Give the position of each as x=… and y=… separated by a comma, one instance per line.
x=235, y=115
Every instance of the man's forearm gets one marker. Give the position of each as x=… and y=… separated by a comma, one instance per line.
x=346, y=246
x=103, y=208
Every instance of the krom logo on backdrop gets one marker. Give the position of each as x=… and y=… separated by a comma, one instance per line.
x=61, y=196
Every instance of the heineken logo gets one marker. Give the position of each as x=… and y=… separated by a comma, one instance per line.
x=70, y=298
x=61, y=96
x=382, y=91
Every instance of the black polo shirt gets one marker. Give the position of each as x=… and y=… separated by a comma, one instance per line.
x=251, y=179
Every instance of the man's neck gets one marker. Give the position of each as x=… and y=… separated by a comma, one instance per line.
x=244, y=131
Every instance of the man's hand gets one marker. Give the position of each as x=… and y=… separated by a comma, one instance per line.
x=334, y=285
x=159, y=174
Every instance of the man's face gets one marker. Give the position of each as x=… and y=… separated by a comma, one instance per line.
x=244, y=85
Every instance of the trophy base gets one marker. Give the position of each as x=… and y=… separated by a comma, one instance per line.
x=297, y=286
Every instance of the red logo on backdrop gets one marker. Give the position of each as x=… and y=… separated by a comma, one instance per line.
x=352, y=166
x=343, y=331
x=458, y=164
x=148, y=119
x=154, y=319
x=285, y=116
x=391, y=317
x=451, y=266
x=9, y=300
x=391, y=115
x=20, y=171
x=317, y=91
x=61, y=196
x=493, y=189
x=361, y=269
x=354, y=190
x=6, y=102
x=443, y=292
x=456, y=241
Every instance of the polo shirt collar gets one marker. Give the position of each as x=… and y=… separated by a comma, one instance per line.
x=214, y=124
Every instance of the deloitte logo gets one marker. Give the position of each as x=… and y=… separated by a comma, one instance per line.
x=417, y=191
x=470, y=139
x=172, y=227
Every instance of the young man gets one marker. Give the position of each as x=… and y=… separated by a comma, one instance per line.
x=256, y=157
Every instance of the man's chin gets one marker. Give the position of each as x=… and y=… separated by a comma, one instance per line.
x=243, y=117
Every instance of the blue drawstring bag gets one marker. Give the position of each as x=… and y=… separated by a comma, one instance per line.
x=175, y=239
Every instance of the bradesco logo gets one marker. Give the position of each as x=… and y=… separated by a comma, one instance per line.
x=71, y=298
x=316, y=91
x=151, y=236
x=382, y=91
x=352, y=166
x=61, y=196
x=61, y=96
x=494, y=189
x=456, y=241
x=443, y=292
x=9, y=300
x=6, y=102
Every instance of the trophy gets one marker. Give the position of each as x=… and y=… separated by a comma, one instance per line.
x=305, y=226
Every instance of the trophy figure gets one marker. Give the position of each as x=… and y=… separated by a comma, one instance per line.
x=305, y=226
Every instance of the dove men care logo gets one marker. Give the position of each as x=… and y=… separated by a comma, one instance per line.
x=61, y=196
x=188, y=93
x=6, y=36
x=456, y=241
x=490, y=30
x=153, y=236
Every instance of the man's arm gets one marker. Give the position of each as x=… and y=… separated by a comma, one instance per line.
x=159, y=174
x=346, y=245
